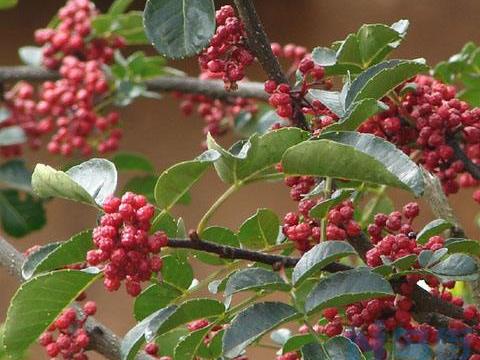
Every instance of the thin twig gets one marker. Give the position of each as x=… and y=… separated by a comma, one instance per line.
x=470, y=166
x=190, y=85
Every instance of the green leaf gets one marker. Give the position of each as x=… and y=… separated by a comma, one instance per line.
x=38, y=302
x=119, y=7
x=177, y=273
x=458, y=245
x=458, y=267
x=153, y=298
x=259, y=230
x=281, y=336
x=379, y=79
x=254, y=279
x=54, y=256
x=167, y=342
x=324, y=56
x=245, y=159
x=433, y=228
x=165, y=222
x=7, y=4
x=129, y=26
x=31, y=55
x=14, y=174
x=132, y=162
x=331, y=99
x=376, y=160
x=247, y=123
x=182, y=314
x=252, y=323
x=428, y=258
x=358, y=112
x=318, y=257
x=320, y=210
x=20, y=215
x=347, y=287
x=297, y=341
x=174, y=182
x=373, y=39
x=134, y=338
x=12, y=135
x=213, y=349
x=188, y=346
x=145, y=185
x=179, y=28
x=91, y=182
x=217, y=235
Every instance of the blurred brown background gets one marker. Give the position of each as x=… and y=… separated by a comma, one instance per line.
x=157, y=129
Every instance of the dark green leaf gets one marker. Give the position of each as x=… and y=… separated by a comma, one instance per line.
x=340, y=348
x=14, y=174
x=178, y=179
x=177, y=273
x=379, y=79
x=7, y=4
x=331, y=99
x=358, y=112
x=179, y=28
x=38, y=302
x=318, y=257
x=254, y=279
x=259, y=230
x=54, y=256
x=91, y=182
x=320, y=210
x=187, y=347
x=131, y=161
x=31, y=55
x=134, y=338
x=119, y=7
x=167, y=342
x=252, y=323
x=153, y=298
x=129, y=26
x=182, y=314
x=144, y=185
x=20, y=215
x=281, y=336
x=376, y=160
x=433, y=228
x=248, y=158
x=297, y=341
x=165, y=222
x=457, y=245
x=456, y=267
x=347, y=287
x=247, y=124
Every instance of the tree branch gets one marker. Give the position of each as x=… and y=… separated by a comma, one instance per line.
x=102, y=339
x=470, y=166
x=259, y=44
x=190, y=85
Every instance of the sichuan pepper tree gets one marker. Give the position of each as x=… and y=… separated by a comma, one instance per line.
x=359, y=277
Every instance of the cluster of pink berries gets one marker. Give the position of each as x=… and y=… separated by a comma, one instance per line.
x=428, y=119
x=73, y=36
x=72, y=338
x=67, y=108
x=282, y=97
x=124, y=247
x=227, y=55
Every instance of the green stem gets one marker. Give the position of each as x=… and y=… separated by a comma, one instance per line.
x=378, y=196
x=204, y=221
x=328, y=192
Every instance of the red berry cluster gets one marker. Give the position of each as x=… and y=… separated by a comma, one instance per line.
x=282, y=97
x=124, y=247
x=304, y=231
x=289, y=356
x=218, y=115
x=73, y=36
x=400, y=239
x=72, y=339
x=67, y=108
x=427, y=119
x=227, y=55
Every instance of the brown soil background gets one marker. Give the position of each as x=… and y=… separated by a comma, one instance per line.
x=156, y=128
